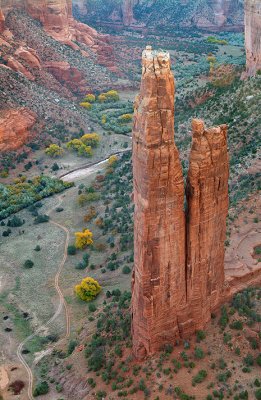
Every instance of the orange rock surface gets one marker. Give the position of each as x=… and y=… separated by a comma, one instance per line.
x=15, y=126
x=179, y=263
x=2, y=21
x=18, y=67
x=159, y=289
x=253, y=35
x=207, y=199
x=178, y=274
x=29, y=56
x=63, y=72
x=57, y=19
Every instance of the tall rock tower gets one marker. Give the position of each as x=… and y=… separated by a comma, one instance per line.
x=207, y=199
x=178, y=275
x=253, y=35
x=159, y=286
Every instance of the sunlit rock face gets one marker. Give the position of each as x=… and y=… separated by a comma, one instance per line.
x=178, y=276
x=253, y=36
x=15, y=128
x=207, y=208
x=159, y=275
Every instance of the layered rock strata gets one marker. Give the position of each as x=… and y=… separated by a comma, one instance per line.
x=253, y=36
x=15, y=128
x=57, y=19
x=159, y=289
x=207, y=208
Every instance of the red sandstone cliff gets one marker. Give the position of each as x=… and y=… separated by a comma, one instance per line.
x=177, y=282
x=127, y=12
x=2, y=21
x=57, y=19
x=207, y=199
x=253, y=35
x=159, y=274
x=15, y=126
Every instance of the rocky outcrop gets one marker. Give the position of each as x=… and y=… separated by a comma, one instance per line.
x=18, y=67
x=2, y=21
x=15, y=126
x=127, y=12
x=177, y=281
x=63, y=72
x=253, y=36
x=56, y=17
x=159, y=289
x=29, y=56
x=207, y=200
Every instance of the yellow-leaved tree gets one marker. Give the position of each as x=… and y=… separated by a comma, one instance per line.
x=54, y=150
x=112, y=160
x=88, y=289
x=86, y=104
x=91, y=139
x=90, y=98
x=83, y=239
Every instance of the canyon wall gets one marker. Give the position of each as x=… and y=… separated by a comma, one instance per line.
x=253, y=35
x=215, y=15
x=159, y=274
x=177, y=282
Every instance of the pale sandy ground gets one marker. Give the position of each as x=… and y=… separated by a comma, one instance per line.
x=4, y=380
x=245, y=236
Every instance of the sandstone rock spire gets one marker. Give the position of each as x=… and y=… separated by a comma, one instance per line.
x=207, y=200
x=253, y=35
x=159, y=288
x=2, y=20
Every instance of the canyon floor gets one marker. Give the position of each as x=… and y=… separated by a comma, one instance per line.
x=95, y=361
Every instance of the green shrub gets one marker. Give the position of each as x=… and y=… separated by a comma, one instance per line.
x=92, y=307
x=126, y=270
x=258, y=394
x=71, y=346
x=201, y=375
x=71, y=250
x=201, y=335
x=249, y=360
x=41, y=388
x=199, y=353
x=28, y=264
x=41, y=219
x=236, y=325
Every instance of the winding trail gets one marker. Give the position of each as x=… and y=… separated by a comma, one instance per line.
x=62, y=304
x=77, y=173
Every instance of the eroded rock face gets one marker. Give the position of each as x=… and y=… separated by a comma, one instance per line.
x=29, y=56
x=15, y=65
x=178, y=274
x=127, y=12
x=2, y=21
x=56, y=17
x=253, y=35
x=159, y=274
x=207, y=199
x=63, y=72
x=15, y=126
